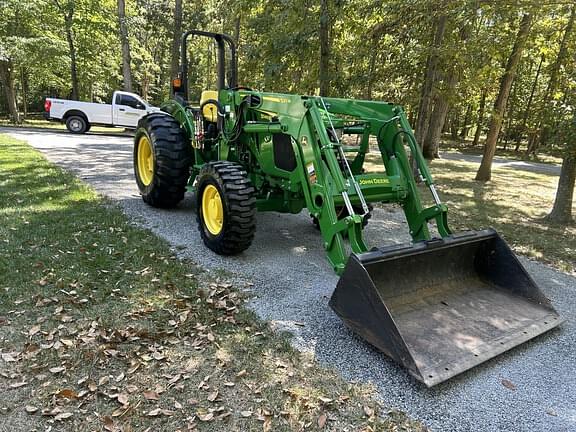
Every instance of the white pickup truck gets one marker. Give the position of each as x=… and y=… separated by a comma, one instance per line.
x=125, y=111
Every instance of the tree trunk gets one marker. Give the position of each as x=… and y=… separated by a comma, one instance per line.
x=145, y=85
x=442, y=104
x=438, y=118
x=324, y=72
x=480, y=122
x=466, y=125
x=553, y=83
x=425, y=107
x=176, y=36
x=454, y=126
x=507, y=132
x=67, y=11
x=7, y=78
x=529, y=105
x=73, y=66
x=562, y=211
x=485, y=171
x=237, y=23
x=126, y=58
x=24, y=82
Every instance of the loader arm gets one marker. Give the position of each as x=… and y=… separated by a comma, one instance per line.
x=329, y=181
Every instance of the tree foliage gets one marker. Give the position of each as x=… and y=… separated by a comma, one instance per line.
x=385, y=50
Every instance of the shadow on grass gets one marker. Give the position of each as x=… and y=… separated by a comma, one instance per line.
x=514, y=203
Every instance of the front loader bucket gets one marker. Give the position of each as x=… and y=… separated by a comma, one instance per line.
x=441, y=307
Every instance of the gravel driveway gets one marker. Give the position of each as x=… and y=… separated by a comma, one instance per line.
x=292, y=285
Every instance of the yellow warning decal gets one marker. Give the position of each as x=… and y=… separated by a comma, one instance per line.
x=276, y=99
x=374, y=181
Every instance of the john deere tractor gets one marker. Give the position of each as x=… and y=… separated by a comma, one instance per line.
x=438, y=306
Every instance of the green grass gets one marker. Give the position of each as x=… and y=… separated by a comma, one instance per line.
x=514, y=202
x=98, y=319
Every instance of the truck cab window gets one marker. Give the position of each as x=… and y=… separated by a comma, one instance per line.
x=130, y=101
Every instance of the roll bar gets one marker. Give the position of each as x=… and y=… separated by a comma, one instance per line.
x=221, y=40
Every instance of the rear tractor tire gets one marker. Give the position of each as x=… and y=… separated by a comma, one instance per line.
x=226, y=207
x=162, y=159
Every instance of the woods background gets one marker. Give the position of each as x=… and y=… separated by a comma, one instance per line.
x=486, y=72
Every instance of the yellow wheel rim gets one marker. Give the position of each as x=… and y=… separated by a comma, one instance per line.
x=145, y=161
x=212, y=209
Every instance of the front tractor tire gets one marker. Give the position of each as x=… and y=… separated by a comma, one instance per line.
x=162, y=159
x=226, y=207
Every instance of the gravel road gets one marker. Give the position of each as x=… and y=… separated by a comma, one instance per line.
x=499, y=162
x=292, y=285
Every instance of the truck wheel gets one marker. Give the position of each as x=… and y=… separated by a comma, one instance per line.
x=162, y=159
x=226, y=207
x=77, y=124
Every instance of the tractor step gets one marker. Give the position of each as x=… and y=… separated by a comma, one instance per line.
x=441, y=307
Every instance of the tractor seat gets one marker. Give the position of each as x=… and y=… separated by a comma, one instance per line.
x=210, y=110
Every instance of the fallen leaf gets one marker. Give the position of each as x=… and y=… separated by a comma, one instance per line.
x=31, y=409
x=118, y=412
x=206, y=417
x=108, y=424
x=18, y=384
x=7, y=357
x=154, y=413
x=322, y=420
x=245, y=413
x=151, y=395
x=212, y=396
x=67, y=342
x=324, y=400
x=241, y=373
x=63, y=416
x=67, y=393
x=508, y=384
x=51, y=412
x=57, y=369
x=158, y=355
x=123, y=398
x=174, y=379
x=177, y=405
x=134, y=368
x=267, y=426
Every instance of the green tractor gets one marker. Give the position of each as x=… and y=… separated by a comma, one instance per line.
x=438, y=306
